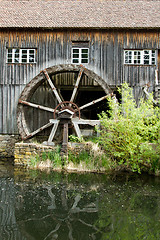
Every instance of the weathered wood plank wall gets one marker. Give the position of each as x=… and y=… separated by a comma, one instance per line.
x=106, y=49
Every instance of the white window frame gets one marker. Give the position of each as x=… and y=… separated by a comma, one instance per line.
x=137, y=57
x=11, y=55
x=80, y=58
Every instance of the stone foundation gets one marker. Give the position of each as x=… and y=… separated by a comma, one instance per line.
x=24, y=151
x=7, y=145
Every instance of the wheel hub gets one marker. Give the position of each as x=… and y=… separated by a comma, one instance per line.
x=66, y=109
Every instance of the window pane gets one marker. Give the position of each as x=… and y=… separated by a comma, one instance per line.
x=84, y=61
x=16, y=50
x=31, y=59
x=9, y=50
x=153, y=61
x=31, y=51
x=146, y=61
x=75, y=55
x=75, y=60
x=24, y=60
x=84, y=50
x=16, y=60
x=75, y=50
x=24, y=56
x=84, y=55
x=146, y=56
x=16, y=55
x=146, y=52
x=24, y=51
x=127, y=61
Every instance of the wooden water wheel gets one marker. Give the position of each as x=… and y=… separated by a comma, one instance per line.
x=58, y=110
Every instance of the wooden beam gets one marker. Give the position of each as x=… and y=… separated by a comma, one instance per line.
x=86, y=121
x=52, y=86
x=76, y=85
x=77, y=129
x=77, y=121
x=35, y=105
x=93, y=102
x=64, y=149
x=54, y=129
x=38, y=130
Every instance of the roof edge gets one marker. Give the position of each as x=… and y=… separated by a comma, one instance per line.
x=81, y=28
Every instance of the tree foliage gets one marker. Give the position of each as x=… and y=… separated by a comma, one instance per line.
x=130, y=135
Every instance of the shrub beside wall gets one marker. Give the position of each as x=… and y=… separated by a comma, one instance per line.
x=130, y=135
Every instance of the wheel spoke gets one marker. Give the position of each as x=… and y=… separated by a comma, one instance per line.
x=36, y=105
x=93, y=102
x=52, y=86
x=76, y=85
x=77, y=129
x=54, y=129
x=38, y=130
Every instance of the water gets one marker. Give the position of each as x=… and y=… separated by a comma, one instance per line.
x=46, y=206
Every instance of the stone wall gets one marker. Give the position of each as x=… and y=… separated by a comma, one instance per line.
x=24, y=151
x=7, y=145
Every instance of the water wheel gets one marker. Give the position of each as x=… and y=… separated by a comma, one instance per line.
x=59, y=109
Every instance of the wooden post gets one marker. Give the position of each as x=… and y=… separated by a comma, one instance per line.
x=64, y=149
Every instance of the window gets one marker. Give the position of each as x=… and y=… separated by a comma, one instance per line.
x=140, y=57
x=15, y=55
x=80, y=55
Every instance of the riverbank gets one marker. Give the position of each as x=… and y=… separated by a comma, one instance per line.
x=81, y=157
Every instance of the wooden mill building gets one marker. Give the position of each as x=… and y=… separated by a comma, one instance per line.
x=78, y=51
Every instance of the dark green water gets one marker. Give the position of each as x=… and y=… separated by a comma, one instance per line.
x=46, y=206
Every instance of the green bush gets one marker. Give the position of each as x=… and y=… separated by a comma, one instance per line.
x=130, y=134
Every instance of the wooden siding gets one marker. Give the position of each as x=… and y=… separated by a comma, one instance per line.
x=54, y=47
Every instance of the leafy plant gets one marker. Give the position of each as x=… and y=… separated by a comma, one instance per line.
x=34, y=160
x=129, y=133
x=73, y=138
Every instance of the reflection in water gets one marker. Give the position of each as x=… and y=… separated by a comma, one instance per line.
x=40, y=206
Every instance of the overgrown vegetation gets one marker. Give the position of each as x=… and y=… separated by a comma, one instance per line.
x=130, y=135
x=89, y=157
x=47, y=159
